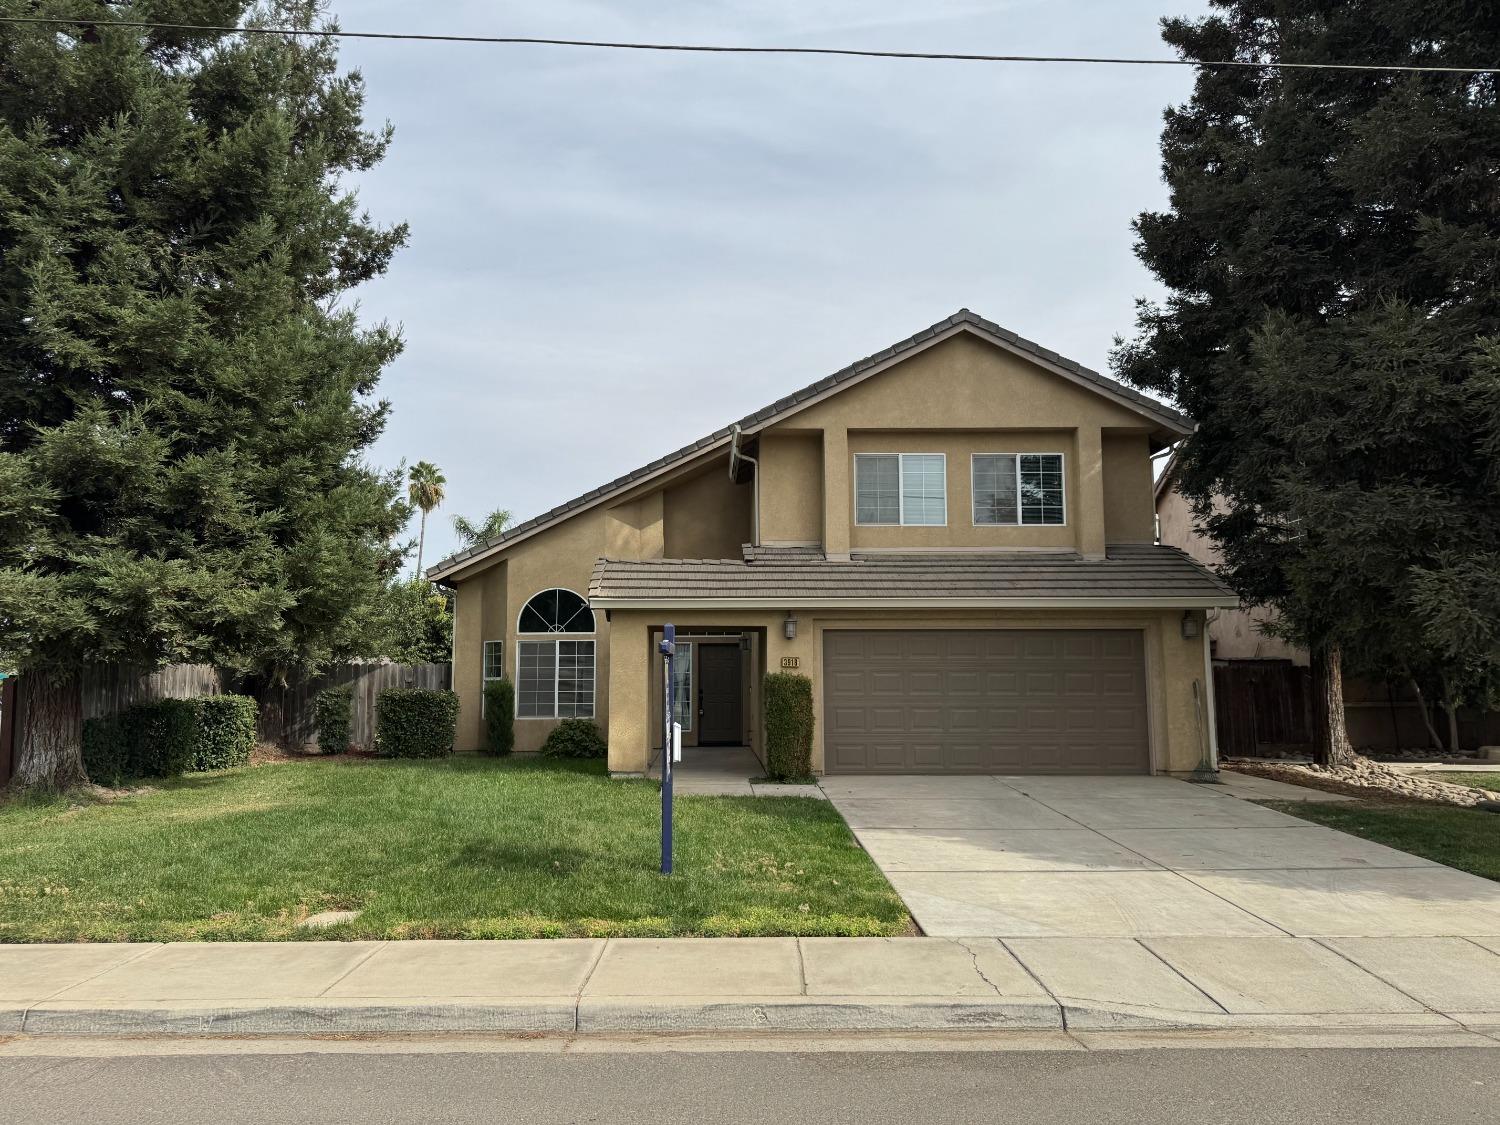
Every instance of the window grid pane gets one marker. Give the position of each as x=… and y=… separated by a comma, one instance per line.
x=924, y=489
x=536, y=679
x=575, y=679
x=1041, y=488
x=494, y=660
x=877, y=489
x=682, y=685
x=995, y=488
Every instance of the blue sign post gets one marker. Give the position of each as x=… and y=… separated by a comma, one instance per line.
x=668, y=648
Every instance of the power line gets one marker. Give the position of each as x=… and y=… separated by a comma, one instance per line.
x=703, y=48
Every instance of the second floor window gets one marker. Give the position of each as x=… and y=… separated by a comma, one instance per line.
x=907, y=489
x=1018, y=488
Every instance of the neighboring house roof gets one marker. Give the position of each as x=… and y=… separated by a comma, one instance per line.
x=1131, y=575
x=1167, y=477
x=961, y=321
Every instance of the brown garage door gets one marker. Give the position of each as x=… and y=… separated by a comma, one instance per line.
x=985, y=701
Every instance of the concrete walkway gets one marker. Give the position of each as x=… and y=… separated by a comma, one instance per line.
x=767, y=984
x=1143, y=857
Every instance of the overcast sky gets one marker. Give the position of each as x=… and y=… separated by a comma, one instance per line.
x=614, y=253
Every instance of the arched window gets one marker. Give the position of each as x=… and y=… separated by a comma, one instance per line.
x=555, y=678
x=556, y=611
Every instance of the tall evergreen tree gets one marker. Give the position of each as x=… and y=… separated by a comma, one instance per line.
x=184, y=393
x=1332, y=253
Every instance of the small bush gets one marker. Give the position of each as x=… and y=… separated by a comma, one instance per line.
x=575, y=738
x=499, y=717
x=106, y=750
x=788, y=726
x=226, y=731
x=335, y=710
x=163, y=737
x=415, y=723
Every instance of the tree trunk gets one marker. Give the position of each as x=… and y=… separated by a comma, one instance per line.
x=49, y=732
x=1432, y=733
x=1330, y=736
x=1452, y=709
x=421, y=541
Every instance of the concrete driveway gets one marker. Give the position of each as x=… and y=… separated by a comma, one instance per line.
x=1142, y=858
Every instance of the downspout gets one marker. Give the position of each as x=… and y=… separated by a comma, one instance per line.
x=735, y=457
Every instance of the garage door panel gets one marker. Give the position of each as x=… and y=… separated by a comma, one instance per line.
x=1007, y=701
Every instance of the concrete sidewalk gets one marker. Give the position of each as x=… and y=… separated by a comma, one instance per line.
x=776, y=984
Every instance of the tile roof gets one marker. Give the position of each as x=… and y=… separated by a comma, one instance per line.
x=1169, y=418
x=1129, y=573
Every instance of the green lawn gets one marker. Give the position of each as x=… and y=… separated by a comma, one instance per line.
x=1489, y=781
x=466, y=847
x=1468, y=839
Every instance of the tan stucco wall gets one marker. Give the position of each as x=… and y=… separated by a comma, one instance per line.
x=791, y=487
x=1128, y=516
x=707, y=515
x=1172, y=665
x=1235, y=633
x=959, y=397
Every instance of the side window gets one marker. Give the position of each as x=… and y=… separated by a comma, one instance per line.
x=494, y=660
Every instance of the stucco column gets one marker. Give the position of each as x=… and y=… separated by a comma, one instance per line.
x=628, y=668
x=836, y=494
x=1088, y=516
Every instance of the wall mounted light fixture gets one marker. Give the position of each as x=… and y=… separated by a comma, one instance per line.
x=1192, y=628
x=789, y=626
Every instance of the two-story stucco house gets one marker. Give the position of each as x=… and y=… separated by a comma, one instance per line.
x=952, y=538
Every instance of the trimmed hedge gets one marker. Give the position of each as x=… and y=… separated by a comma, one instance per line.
x=167, y=737
x=226, y=731
x=789, y=726
x=415, y=723
x=575, y=738
x=335, y=711
x=163, y=737
x=106, y=750
x=499, y=717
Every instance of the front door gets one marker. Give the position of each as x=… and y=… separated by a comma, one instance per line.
x=720, y=720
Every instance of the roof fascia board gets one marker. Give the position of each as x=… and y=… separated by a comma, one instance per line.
x=1217, y=601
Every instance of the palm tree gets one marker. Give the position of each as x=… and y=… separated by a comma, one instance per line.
x=472, y=533
x=425, y=488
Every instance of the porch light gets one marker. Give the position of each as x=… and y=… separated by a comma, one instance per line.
x=789, y=626
x=1191, y=630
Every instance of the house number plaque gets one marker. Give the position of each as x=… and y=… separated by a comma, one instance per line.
x=791, y=661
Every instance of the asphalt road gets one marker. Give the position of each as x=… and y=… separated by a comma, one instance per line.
x=1165, y=1087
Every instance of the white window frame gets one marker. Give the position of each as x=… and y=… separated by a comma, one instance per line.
x=484, y=661
x=1062, y=461
x=900, y=488
x=690, y=710
x=554, y=639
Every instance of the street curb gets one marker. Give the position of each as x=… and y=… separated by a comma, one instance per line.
x=300, y=1017
x=822, y=1013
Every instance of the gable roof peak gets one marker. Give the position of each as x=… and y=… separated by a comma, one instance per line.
x=965, y=318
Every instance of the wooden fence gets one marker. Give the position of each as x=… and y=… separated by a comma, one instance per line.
x=1267, y=704
x=288, y=716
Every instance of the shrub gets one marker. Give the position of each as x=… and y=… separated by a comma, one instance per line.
x=162, y=735
x=106, y=750
x=499, y=717
x=335, y=711
x=226, y=731
x=575, y=738
x=788, y=726
x=415, y=723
